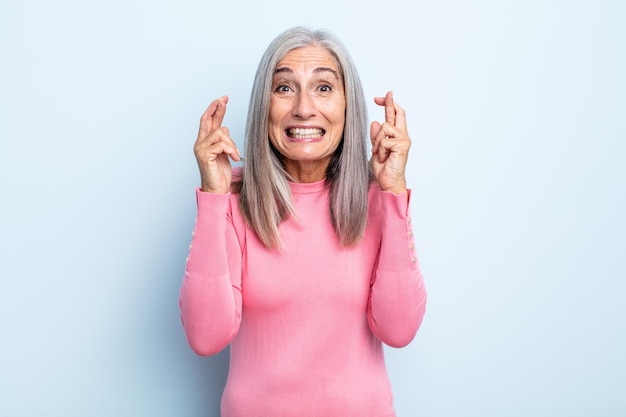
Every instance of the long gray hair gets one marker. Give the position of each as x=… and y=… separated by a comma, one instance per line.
x=264, y=194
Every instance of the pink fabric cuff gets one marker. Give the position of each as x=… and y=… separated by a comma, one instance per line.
x=398, y=247
x=211, y=222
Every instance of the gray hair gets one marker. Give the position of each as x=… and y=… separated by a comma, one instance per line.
x=264, y=193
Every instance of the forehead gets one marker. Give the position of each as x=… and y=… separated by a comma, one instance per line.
x=308, y=58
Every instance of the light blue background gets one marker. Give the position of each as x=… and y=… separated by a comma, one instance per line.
x=516, y=110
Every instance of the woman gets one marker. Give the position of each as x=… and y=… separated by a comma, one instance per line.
x=303, y=260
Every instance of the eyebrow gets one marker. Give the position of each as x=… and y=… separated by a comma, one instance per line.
x=315, y=71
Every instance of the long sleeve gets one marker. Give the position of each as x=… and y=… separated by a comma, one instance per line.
x=309, y=320
x=397, y=297
x=210, y=295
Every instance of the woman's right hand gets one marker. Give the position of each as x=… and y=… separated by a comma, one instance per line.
x=212, y=149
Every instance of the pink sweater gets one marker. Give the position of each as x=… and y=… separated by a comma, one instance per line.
x=304, y=325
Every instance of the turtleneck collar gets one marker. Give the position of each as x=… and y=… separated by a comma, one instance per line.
x=307, y=187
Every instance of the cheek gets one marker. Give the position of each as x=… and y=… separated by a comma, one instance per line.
x=276, y=115
x=273, y=126
x=340, y=118
x=272, y=117
x=339, y=113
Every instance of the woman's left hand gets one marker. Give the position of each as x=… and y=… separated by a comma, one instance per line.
x=390, y=146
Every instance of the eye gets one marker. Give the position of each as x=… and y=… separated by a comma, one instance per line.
x=325, y=88
x=282, y=88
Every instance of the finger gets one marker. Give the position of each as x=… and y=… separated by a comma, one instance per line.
x=379, y=100
x=385, y=131
x=391, y=139
x=382, y=152
x=380, y=143
x=230, y=147
x=400, y=117
x=221, y=134
x=206, y=148
x=220, y=111
x=390, y=110
x=206, y=121
x=217, y=154
x=400, y=114
x=223, y=148
x=374, y=130
x=388, y=131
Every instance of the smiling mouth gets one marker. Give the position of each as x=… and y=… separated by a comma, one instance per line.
x=305, y=133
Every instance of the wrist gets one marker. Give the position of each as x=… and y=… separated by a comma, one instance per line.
x=396, y=189
x=207, y=189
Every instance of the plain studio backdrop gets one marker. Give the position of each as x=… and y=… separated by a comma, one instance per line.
x=516, y=110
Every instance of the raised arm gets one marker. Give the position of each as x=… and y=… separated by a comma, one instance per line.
x=210, y=295
x=397, y=297
x=212, y=149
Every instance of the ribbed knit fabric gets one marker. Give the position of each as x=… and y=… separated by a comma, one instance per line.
x=305, y=324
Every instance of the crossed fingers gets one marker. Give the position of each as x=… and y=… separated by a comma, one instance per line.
x=387, y=136
x=212, y=137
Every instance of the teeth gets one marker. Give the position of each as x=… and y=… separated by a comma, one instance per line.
x=305, y=133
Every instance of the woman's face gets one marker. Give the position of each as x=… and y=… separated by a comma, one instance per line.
x=307, y=111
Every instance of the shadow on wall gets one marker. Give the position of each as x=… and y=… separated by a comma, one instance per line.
x=210, y=376
x=203, y=377
x=199, y=381
x=191, y=385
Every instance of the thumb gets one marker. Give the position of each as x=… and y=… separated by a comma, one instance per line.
x=374, y=129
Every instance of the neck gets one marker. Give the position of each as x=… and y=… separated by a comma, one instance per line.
x=307, y=171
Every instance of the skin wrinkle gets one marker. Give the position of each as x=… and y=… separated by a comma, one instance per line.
x=305, y=96
x=310, y=250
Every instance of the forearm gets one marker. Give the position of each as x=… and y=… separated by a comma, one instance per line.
x=210, y=295
x=398, y=296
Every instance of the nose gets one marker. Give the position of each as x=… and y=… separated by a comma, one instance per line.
x=304, y=106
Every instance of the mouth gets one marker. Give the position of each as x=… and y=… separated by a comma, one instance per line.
x=305, y=133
